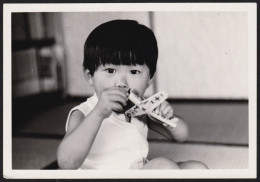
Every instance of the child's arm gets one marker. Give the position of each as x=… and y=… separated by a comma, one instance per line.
x=178, y=133
x=82, y=130
x=78, y=140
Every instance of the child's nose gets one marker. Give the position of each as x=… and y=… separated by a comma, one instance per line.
x=122, y=85
x=121, y=82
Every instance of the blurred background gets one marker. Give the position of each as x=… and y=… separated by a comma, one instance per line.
x=202, y=65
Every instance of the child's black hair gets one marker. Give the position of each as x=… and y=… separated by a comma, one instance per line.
x=120, y=42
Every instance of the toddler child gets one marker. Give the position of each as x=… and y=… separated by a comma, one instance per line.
x=118, y=55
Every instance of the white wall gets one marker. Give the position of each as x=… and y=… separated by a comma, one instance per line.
x=202, y=54
x=77, y=26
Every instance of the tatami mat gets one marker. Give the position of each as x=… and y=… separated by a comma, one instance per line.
x=208, y=122
x=31, y=153
x=50, y=121
x=218, y=123
x=214, y=122
x=214, y=156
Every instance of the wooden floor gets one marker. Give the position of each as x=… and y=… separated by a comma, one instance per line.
x=218, y=135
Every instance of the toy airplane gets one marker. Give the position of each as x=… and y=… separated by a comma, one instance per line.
x=148, y=106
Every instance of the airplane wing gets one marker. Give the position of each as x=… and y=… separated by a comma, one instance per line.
x=142, y=106
x=155, y=100
x=135, y=111
x=171, y=122
x=148, y=106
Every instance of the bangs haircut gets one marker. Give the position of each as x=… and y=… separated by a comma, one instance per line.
x=120, y=42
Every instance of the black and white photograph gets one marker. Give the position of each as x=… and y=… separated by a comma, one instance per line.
x=121, y=90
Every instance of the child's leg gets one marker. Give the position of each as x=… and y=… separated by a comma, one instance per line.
x=192, y=165
x=161, y=163
x=166, y=163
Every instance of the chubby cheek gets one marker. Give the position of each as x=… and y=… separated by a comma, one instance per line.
x=139, y=87
x=100, y=87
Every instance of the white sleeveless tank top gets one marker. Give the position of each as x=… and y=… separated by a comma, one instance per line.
x=118, y=144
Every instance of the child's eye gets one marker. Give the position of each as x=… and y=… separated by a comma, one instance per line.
x=135, y=72
x=110, y=70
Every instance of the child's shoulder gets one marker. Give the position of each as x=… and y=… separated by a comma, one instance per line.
x=74, y=120
x=86, y=106
x=78, y=112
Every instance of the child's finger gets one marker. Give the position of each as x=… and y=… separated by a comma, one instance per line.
x=116, y=107
x=167, y=112
x=163, y=106
x=118, y=98
x=157, y=110
x=118, y=91
x=164, y=124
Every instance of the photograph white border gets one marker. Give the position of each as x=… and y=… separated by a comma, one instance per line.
x=8, y=172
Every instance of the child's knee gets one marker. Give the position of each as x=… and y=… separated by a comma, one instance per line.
x=161, y=163
x=192, y=165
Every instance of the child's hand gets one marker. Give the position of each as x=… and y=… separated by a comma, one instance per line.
x=180, y=133
x=165, y=110
x=112, y=99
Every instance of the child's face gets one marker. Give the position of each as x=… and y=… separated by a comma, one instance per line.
x=135, y=77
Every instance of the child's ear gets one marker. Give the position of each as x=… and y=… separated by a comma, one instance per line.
x=150, y=82
x=88, y=76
